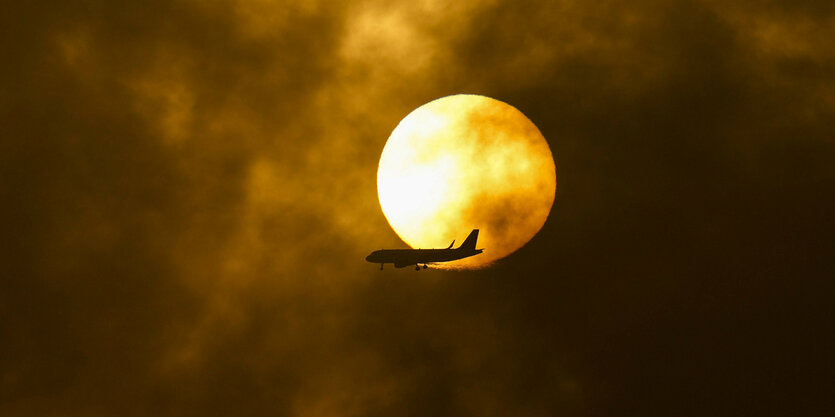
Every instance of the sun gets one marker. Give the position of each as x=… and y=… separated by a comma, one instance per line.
x=466, y=162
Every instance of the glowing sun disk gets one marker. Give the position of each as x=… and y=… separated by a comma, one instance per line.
x=463, y=162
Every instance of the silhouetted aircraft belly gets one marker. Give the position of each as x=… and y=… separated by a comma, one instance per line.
x=405, y=257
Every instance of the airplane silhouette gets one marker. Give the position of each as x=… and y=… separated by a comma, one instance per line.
x=405, y=257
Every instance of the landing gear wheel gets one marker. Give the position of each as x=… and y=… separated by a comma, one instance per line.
x=417, y=268
x=424, y=266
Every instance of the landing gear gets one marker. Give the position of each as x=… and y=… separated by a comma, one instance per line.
x=424, y=266
x=381, y=267
x=417, y=267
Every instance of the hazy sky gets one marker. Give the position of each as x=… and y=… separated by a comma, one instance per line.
x=189, y=191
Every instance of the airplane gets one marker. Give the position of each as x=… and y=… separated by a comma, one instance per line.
x=405, y=257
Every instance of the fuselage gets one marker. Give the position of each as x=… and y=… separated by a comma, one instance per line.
x=406, y=257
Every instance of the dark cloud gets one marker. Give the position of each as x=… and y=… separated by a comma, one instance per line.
x=189, y=190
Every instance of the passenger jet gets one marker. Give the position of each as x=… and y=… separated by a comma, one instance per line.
x=405, y=257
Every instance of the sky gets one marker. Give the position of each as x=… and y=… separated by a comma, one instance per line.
x=189, y=192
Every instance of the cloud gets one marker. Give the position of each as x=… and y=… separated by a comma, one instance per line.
x=189, y=192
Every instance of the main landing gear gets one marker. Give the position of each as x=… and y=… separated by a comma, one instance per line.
x=417, y=267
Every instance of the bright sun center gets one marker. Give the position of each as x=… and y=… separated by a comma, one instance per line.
x=467, y=162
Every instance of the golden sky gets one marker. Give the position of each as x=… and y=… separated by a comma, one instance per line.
x=189, y=191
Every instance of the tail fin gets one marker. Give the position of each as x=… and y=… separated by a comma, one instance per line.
x=469, y=243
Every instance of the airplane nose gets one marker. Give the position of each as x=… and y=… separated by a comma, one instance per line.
x=368, y=258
